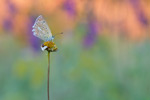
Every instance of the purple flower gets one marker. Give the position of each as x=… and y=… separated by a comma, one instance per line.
x=33, y=40
x=91, y=33
x=142, y=18
x=69, y=6
x=11, y=7
x=139, y=12
x=7, y=24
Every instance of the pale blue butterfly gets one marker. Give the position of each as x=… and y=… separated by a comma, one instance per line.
x=41, y=29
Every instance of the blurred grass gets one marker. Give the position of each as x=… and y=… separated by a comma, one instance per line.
x=113, y=69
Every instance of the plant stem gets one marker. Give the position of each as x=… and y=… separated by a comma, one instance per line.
x=48, y=75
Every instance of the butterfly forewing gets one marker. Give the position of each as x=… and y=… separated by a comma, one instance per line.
x=41, y=29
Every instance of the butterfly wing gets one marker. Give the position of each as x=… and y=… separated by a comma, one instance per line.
x=41, y=29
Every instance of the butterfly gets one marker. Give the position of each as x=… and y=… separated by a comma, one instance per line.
x=41, y=29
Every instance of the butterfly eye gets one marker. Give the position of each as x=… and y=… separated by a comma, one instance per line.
x=42, y=45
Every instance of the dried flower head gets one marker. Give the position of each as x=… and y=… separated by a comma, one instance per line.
x=49, y=46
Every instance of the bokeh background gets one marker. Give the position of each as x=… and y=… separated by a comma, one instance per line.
x=103, y=54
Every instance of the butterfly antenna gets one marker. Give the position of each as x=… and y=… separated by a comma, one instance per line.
x=58, y=34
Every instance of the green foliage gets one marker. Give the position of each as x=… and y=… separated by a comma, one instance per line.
x=110, y=70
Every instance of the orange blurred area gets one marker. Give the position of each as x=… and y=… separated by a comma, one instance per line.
x=116, y=16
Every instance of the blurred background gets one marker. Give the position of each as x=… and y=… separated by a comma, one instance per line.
x=103, y=54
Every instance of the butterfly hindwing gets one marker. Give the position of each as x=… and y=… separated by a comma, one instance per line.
x=41, y=29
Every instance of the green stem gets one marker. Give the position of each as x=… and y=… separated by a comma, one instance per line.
x=48, y=75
